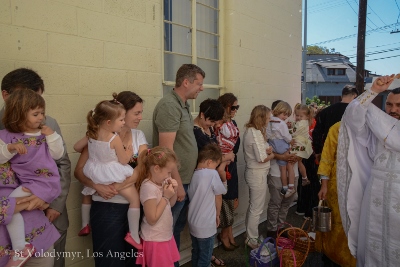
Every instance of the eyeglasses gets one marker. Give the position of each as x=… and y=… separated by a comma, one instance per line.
x=235, y=107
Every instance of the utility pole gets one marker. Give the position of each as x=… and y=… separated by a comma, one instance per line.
x=304, y=67
x=362, y=24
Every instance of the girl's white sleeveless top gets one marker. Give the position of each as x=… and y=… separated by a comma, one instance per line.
x=103, y=166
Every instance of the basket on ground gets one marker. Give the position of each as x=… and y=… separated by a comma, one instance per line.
x=302, y=243
x=288, y=254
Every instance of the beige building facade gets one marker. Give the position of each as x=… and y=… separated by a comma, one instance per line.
x=87, y=49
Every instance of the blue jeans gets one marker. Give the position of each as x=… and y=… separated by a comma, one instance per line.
x=109, y=226
x=202, y=249
x=179, y=214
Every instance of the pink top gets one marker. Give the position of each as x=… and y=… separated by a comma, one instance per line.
x=162, y=230
x=227, y=136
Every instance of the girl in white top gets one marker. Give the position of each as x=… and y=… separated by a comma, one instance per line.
x=300, y=132
x=108, y=160
x=157, y=195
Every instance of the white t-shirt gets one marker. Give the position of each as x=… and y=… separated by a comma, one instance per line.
x=203, y=188
x=138, y=139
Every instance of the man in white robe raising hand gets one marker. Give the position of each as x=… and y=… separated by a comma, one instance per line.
x=368, y=176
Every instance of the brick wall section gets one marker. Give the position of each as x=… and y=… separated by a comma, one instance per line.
x=87, y=49
x=84, y=50
x=262, y=62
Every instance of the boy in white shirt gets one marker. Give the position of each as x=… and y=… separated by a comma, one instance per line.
x=205, y=195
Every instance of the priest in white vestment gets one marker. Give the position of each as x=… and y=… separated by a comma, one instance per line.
x=368, y=177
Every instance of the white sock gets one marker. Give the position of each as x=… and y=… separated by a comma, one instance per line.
x=291, y=186
x=86, y=214
x=285, y=187
x=16, y=230
x=304, y=178
x=133, y=220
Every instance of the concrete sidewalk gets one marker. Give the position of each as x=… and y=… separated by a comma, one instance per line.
x=239, y=257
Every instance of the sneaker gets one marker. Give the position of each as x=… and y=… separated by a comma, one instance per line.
x=283, y=191
x=252, y=243
x=290, y=192
x=128, y=238
x=20, y=257
x=84, y=231
x=300, y=213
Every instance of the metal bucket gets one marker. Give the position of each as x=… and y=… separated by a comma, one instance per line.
x=322, y=217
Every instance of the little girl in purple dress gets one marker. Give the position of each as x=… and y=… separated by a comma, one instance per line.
x=31, y=149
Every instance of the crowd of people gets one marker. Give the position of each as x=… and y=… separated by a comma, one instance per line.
x=138, y=200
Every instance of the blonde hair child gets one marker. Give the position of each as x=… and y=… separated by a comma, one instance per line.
x=107, y=163
x=300, y=132
x=280, y=140
x=157, y=195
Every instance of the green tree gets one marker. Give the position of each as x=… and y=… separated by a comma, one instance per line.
x=315, y=49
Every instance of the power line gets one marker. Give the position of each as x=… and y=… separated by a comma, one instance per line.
x=377, y=52
x=357, y=13
x=323, y=8
x=327, y=3
x=370, y=47
x=382, y=58
x=354, y=35
x=398, y=9
x=376, y=14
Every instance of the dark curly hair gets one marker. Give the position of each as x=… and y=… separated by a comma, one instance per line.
x=212, y=109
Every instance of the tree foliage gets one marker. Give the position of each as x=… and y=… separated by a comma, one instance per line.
x=315, y=100
x=315, y=49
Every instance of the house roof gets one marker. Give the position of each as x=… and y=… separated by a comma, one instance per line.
x=333, y=65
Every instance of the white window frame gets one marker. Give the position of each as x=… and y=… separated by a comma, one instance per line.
x=194, y=57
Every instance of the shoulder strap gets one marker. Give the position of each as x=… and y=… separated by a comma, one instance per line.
x=112, y=138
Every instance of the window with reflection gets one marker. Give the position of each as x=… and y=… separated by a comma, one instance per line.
x=191, y=35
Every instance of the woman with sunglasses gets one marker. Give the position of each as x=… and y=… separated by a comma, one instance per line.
x=228, y=139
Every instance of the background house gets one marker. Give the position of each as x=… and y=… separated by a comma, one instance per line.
x=87, y=49
x=327, y=74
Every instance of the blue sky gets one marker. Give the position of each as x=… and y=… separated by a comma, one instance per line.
x=328, y=20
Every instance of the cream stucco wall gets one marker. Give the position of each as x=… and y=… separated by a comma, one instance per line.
x=87, y=49
x=262, y=63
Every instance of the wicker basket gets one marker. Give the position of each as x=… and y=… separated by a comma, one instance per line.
x=288, y=254
x=301, y=242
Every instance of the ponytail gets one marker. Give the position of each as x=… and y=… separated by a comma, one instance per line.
x=157, y=156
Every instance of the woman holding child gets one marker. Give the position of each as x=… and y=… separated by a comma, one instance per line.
x=108, y=213
x=257, y=154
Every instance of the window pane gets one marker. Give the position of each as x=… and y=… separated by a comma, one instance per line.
x=213, y=3
x=341, y=71
x=212, y=70
x=207, y=45
x=179, y=11
x=172, y=63
x=207, y=19
x=177, y=39
x=207, y=93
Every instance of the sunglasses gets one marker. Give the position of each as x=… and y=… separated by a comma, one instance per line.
x=235, y=107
